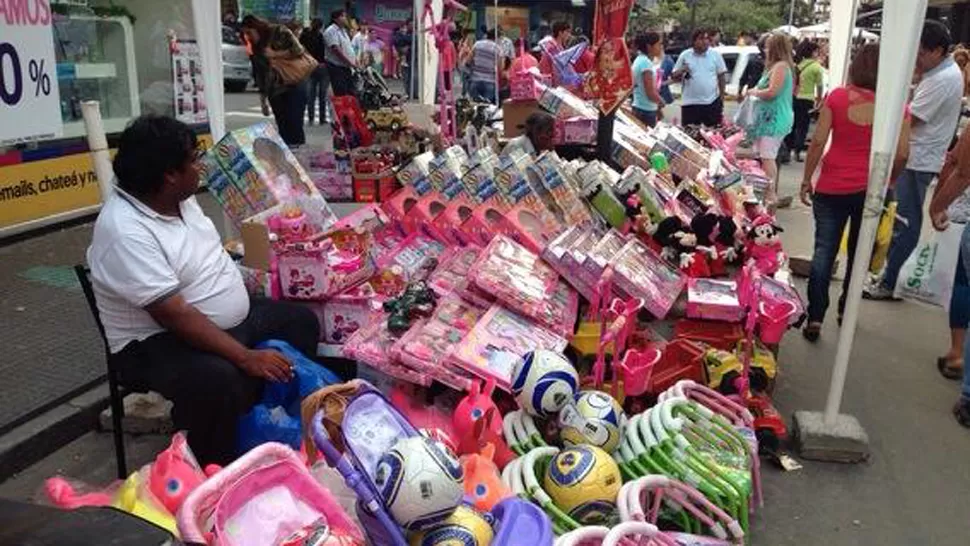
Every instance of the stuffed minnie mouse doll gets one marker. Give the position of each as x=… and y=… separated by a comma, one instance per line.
x=763, y=246
x=639, y=222
x=705, y=226
x=680, y=247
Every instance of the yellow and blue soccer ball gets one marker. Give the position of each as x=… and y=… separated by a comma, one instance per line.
x=420, y=482
x=584, y=481
x=465, y=527
x=593, y=418
x=543, y=382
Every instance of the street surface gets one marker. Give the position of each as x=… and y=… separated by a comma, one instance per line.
x=912, y=491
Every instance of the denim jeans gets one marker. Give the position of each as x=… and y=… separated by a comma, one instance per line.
x=647, y=117
x=960, y=299
x=965, y=264
x=482, y=91
x=832, y=212
x=910, y=194
x=319, y=87
x=288, y=108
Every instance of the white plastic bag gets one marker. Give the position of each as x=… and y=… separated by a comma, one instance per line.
x=927, y=275
x=744, y=117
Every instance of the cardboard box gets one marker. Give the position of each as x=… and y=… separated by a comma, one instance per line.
x=514, y=114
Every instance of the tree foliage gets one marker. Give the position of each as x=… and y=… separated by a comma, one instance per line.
x=731, y=16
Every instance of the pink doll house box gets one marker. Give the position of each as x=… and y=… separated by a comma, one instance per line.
x=416, y=204
x=713, y=299
x=318, y=269
x=642, y=273
x=498, y=341
x=267, y=173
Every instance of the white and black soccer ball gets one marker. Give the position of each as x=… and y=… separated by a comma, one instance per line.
x=420, y=482
x=543, y=382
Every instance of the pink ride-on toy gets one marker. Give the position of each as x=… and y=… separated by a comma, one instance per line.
x=264, y=497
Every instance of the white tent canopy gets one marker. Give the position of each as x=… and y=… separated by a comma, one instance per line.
x=787, y=29
x=824, y=30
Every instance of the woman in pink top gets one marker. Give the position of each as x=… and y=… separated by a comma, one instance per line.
x=838, y=196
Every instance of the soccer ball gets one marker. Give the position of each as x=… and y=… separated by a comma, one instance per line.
x=420, y=481
x=593, y=418
x=465, y=527
x=543, y=382
x=584, y=481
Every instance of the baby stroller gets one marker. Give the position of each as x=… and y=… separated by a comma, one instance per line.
x=358, y=420
x=372, y=90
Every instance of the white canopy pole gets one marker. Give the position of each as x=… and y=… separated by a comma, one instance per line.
x=427, y=55
x=903, y=20
x=843, y=14
x=500, y=65
x=208, y=34
x=98, y=146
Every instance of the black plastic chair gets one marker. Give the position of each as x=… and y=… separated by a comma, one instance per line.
x=114, y=388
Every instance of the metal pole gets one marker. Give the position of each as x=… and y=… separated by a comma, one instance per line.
x=902, y=19
x=791, y=14
x=498, y=67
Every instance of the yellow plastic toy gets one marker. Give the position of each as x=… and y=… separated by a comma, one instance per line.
x=130, y=497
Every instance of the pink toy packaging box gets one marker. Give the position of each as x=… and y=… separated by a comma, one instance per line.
x=348, y=311
x=453, y=268
x=372, y=345
x=600, y=255
x=446, y=178
x=487, y=217
x=558, y=254
x=712, y=299
x=316, y=270
x=417, y=203
x=519, y=279
x=642, y=273
x=499, y=339
x=528, y=219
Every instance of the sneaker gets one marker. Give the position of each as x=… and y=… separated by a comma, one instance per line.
x=879, y=292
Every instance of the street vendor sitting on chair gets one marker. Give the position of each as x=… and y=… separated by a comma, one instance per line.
x=176, y=314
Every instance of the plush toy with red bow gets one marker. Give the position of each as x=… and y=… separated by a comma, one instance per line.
x=763, y=246
x=680, y=247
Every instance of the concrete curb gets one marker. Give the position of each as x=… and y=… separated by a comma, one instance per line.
x=51, y=430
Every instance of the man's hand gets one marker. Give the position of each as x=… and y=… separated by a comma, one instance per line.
x=806, y=192
x=267, y=364
x=940, y=220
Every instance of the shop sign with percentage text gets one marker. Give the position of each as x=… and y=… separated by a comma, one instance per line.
x=30, y=106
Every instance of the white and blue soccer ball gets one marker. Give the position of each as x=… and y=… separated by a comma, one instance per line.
x=420, y=482
x=592, y=418
x=543, y=382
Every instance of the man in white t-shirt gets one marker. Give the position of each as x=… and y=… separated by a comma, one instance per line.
x=340, y=56
x=935, y=111
x=175, y=311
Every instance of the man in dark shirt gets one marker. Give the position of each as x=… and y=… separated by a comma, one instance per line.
x=312, y=40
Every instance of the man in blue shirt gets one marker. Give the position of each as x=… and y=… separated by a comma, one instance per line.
x=702, y=70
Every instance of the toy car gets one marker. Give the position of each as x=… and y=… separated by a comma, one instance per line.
x=389, y=118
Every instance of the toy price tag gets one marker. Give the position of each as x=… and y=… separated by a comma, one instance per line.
x=30, y=105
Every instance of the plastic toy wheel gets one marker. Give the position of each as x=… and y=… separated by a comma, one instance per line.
x=727, y=383
x=759, y=380
x=768, y=441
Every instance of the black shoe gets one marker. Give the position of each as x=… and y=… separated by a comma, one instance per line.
x=811, y=332
x=962, y=412
x=947, y=371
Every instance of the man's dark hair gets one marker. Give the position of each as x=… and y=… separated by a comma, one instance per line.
x=335, y=14
x=559, y=27
x=805, y=49
x=935, y=36
x=539, y=122
x=148, y=149
x=258, y=23
x=316, y=23
x=698, y=32
x=644, y=40
x=490, y=34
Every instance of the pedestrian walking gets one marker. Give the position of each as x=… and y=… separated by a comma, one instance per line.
x=702, y=70
x=838, y=196
x=935, y=108
x=647, y=102
x=773, y=116
x=341, y=60
x=808, y=94
x=281, y=71
x=312, y=40
x=485, y=60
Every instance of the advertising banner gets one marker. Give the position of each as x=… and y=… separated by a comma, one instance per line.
x=611, y=80
x=188, y=83
x=30, y=105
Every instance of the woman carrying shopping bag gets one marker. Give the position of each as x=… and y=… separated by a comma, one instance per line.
x=281, y=68
x=773, y=115
x=839, y=193
x=954, y=182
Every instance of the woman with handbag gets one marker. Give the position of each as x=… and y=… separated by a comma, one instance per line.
x=773, y=115
x=838, y=195
x=281, y=68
